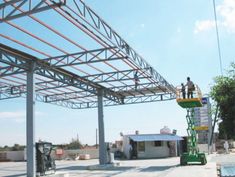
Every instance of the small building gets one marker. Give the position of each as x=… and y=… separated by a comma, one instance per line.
x=142, y=146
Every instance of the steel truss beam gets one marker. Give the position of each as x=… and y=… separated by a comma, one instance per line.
x=62, y=101
x=57, y=74
x=129, y=100
x=12, y=60
x=114, y=76
x=9, y=9
x=42, y=86
x=17, y=67
x=47, y=85
x=144, y=91
x=5, y=93
x=85, y=13
x=124, y=90
x=10, y=70
x=142, y=86
x=67, y=96
x=86, y=57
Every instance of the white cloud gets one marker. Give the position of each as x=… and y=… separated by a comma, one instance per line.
x=178, y=30
x=142, y=25
x=17, y=116
x=12, y=115
x=227, y=11
x=225, y=18
x=204, y=25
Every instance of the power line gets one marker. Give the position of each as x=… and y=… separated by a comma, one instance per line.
x=218, y=40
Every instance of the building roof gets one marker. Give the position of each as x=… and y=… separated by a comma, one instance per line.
x=155, y=137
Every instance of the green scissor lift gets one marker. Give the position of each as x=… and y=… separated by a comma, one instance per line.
x=193, y=155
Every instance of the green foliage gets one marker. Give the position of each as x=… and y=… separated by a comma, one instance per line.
x=74, y=144
x=223, y=93
x=16, y=147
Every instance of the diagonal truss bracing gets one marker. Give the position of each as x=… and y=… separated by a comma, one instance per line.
x=68, y=56
x=115, y=76
x=128, y=100
x=93, y=20
x=71, y=75
x=66, y=99
x=9, y=12
x=86, y=57
x=15, y=57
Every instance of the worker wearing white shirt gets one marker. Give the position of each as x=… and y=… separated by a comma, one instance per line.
x=190, y=87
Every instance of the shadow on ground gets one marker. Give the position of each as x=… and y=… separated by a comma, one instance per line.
x=114, y=170
x=18, y=175
x=157, y=168
x=75, y=168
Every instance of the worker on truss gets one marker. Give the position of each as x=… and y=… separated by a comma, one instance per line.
x=136, y=79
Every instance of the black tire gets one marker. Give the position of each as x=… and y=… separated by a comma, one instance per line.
x=182, y=161
x=203, y=160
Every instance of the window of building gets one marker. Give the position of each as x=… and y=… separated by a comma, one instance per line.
x=157, y=143
x=141, y=146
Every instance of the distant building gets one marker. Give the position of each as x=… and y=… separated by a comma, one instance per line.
x=119, y=145
x=142, y=146
x=203, y=121
x=203, y=125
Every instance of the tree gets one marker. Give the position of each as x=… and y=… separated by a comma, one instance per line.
x=17, y=147
x=223, y=93
x=74, y=144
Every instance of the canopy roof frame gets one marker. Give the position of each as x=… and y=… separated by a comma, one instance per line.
x=119, y=82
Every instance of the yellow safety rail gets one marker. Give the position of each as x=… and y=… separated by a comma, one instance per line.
x=196, y=93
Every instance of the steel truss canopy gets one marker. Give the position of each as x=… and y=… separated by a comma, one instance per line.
x=75, y=54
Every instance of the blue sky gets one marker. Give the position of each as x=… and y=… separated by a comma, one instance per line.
x=176, y=37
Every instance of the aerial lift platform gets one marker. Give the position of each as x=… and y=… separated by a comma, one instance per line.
x=192, y=156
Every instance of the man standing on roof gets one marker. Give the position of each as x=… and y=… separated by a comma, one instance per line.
x=190, y=87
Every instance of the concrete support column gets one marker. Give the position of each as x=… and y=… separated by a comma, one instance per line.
x=102, y=148
x=30, y=123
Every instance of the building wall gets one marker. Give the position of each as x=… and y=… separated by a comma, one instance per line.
x=94, y=153
x=15, y=155
x=20, y=155
x=152, y=151
x=3, y=156
x=12, y=156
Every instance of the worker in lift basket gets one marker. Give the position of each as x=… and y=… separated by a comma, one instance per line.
x=183, y=90
x=190, y=87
